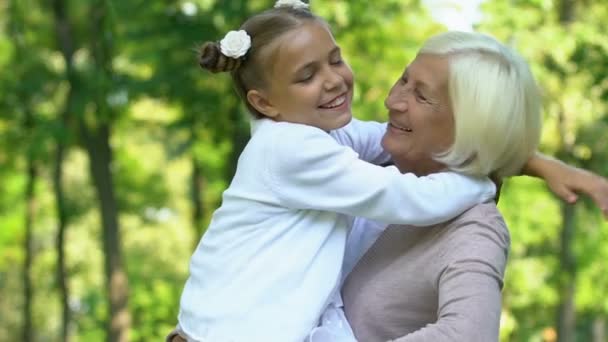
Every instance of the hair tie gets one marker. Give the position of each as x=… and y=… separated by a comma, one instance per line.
x=235, y=44
x=296, y=4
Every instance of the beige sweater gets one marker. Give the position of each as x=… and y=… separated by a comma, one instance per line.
x=439, y=283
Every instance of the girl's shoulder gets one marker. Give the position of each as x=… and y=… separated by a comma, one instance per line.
x=287, y=137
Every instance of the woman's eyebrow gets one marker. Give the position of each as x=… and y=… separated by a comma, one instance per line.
x=335, y=50
x=423, y=86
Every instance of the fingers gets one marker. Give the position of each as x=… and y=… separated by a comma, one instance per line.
x=567, y=195
x=599, y=194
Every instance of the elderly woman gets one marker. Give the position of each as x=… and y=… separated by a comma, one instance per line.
x=466, y=103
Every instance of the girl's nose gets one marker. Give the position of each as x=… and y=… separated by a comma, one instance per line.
x=332, y=80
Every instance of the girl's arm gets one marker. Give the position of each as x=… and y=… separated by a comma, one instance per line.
x=566, y=181
x=364, y=137
x=307, y=169
x=361, y=237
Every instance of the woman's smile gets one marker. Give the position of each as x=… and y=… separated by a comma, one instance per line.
x=399, y=128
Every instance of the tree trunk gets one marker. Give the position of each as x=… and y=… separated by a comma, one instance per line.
x=599, y=329
x=65, y=42
x=62, y=223
x=240, y=137
x=97, y=140
x=567, y=310
x=100, y=157
x=567, y=11
x=566, y=322
x=16, y=31
x=28, y=327
x=198, y=209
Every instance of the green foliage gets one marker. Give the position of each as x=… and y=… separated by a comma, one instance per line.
x=168, y=114
x=570, y=65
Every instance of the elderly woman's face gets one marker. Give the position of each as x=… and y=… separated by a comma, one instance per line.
x=420, y=116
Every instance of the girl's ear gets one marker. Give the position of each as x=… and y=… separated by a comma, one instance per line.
x=260, y=102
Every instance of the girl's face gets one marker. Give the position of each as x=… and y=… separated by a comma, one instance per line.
x=309, y=82
x=421, y=122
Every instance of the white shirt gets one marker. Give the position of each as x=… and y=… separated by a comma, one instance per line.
x=271, y=257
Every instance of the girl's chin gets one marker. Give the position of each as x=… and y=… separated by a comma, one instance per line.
x=344, y=119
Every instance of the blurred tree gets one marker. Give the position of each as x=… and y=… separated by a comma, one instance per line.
x=95, y=127
x=116, y=82
x=65, y=44
x=96, y=134
x=23, y=107
x=573, y=103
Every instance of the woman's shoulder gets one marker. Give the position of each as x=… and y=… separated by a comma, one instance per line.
x=482, y=212
x=482, y=222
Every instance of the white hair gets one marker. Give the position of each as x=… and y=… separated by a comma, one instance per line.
x=495, y=101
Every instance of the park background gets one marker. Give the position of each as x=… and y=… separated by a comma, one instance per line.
x=115, y=148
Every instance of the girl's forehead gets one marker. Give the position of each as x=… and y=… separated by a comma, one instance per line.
x=309, y=41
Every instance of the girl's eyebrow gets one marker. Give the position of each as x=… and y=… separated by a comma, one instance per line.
x=305, y=67
x=312, y=64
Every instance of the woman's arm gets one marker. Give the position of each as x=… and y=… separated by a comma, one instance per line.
x=469, y=283
x=566, y=181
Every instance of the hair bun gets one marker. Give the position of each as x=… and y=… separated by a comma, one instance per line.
x=210, y=57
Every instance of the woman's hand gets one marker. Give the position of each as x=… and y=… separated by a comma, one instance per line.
x=567, y=181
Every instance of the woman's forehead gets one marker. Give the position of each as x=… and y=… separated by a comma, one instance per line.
x=429, y=72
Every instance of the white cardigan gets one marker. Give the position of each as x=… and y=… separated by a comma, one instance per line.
x=271, y=256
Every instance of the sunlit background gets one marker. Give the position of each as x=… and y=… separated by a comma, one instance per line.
x=115, y=149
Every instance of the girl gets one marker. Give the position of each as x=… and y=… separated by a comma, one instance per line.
x=271, y=256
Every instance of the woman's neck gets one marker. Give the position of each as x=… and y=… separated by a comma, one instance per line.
x=419, y=168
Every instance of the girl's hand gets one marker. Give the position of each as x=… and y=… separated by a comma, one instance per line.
x=570, y=181
x=567, y=181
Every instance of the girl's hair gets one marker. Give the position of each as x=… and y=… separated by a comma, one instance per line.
x=251, y=71
x=495, y=101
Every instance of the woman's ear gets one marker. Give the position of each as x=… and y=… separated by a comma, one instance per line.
x=260, y=102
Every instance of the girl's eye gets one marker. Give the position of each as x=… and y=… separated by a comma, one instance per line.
x=305, y=78
x=336, y=61
x=404, y=80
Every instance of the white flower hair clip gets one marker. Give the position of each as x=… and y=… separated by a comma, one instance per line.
x=297, y=4
x=235, y=44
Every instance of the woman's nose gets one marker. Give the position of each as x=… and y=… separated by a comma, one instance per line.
x=395, y=102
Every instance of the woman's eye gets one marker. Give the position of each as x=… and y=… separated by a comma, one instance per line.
x=420, y=97
x=336, y=61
